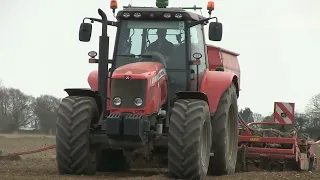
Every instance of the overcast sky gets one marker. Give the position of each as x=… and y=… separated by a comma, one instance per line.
x=277, y=41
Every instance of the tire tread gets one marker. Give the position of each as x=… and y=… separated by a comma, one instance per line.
x=185, y=128
x=75, y=115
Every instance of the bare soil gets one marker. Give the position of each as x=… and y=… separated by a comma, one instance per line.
x=43, y=166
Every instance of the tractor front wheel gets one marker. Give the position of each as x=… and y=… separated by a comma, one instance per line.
x=74, y=154
x=225, y=134
x=190, y=138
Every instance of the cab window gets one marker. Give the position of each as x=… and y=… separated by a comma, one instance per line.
x=197, y=45
x=136, y=36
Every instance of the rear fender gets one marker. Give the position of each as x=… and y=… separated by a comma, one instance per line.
x=214, y=83
x=85, y=92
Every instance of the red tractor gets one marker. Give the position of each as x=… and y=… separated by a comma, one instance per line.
x=181, y=107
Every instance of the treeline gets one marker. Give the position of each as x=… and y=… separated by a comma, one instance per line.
x=308, y=121
x=20, y=111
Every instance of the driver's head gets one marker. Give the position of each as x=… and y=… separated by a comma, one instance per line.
x=162, y=33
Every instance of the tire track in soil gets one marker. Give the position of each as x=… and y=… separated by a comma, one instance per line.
x=45, y=169
x=42, y=166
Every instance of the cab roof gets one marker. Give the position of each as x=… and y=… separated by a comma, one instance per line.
x=191, y=15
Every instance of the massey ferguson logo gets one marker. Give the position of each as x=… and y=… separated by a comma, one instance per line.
x=160, y=74
x=127, y=77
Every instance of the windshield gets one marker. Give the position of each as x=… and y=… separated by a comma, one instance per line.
x=161, y=39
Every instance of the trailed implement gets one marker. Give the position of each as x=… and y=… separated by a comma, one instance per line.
x=274, y=145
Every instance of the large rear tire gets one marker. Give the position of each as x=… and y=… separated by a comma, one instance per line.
x=112, y=160
x=74, y=154
x=225, y=134
x=190, y=138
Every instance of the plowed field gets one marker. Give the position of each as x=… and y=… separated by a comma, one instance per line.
x=42, y=165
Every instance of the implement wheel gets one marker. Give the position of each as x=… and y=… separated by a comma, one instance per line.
x=189, y=140
x=225, y=134
x=74, y=152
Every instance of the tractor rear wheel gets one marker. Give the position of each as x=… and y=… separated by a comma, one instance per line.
x=190, y=138
x=112, y=160
x=75, y=155
x=225, y=134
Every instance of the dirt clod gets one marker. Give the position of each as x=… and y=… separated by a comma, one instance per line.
x=42, y=166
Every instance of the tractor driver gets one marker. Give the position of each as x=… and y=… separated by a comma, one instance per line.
x=162, y=45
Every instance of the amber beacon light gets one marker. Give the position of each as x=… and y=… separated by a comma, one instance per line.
x=113, y=5
x=210, y=6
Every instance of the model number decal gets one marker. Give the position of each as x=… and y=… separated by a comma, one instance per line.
x=157, y=77
x=255, y=139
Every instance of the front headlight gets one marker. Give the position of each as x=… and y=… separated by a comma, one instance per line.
x=117, y=101
x=138, y=101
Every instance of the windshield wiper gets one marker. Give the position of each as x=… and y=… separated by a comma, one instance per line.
x=132, y=55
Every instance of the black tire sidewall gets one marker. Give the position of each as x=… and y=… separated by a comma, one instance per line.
x=207, y=124
x=89, y=162
x=219, y=163
x=179, y=160
x=234, y=106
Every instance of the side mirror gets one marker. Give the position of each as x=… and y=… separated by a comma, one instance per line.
x=215, y=31
x=85, y=32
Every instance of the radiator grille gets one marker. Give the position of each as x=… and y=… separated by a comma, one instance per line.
x=128, y=90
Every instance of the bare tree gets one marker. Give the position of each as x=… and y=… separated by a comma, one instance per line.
x=3, y=96
x=313, y=111
x=257, y=117
x=246, y=114
x=45, y=108
x=18, y=108
x=4, y=118
x=269, y=118
x=301, y=121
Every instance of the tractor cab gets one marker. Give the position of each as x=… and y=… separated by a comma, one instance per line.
x=156, y=49
x=140, y=41
x=169, y=36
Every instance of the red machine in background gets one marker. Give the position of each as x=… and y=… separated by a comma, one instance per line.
x=275, y=144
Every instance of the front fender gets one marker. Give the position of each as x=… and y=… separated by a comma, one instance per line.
x=86, y=92
x=214, y=83
x=192, y=95
x=81, y=92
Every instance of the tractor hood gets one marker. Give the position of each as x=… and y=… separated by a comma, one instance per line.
x=138, y=70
